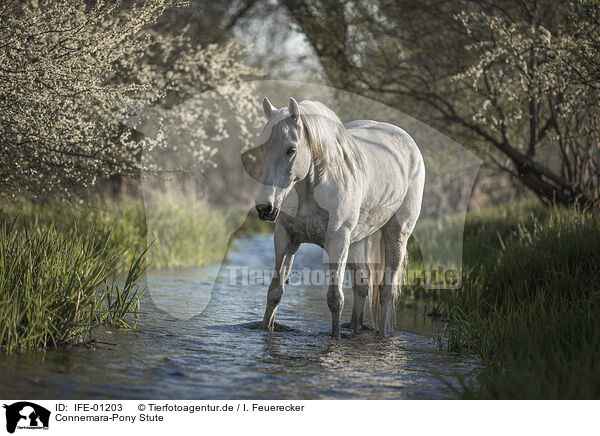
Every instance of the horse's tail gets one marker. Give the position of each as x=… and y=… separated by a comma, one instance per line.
x=375, y=257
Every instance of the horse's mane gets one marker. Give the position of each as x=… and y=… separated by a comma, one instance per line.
x=333, y=149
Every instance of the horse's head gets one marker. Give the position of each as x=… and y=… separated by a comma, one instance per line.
x=286, y=157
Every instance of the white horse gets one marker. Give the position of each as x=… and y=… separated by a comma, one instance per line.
x=354, y=189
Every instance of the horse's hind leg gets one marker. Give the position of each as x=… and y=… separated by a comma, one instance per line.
x=395, y=235
x=285, y=249
x=360, y=283
x=394, y=254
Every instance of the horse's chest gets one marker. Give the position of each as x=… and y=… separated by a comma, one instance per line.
x=309, y=226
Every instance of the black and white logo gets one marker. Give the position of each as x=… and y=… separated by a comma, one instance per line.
x=26, y=415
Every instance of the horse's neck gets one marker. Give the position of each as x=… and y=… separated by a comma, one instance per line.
x=305, y=188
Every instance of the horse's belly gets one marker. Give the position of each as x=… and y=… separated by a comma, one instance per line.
x=371, y=220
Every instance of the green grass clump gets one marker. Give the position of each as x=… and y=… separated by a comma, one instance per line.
x=55, y=285
x=530, y=303
x=186, y=234
x=118, y=225
x=484, y=232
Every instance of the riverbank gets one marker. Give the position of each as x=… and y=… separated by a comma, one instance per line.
x=529, y=304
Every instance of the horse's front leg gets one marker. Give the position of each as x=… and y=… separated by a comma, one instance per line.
x=285, y=249
x=337, y=245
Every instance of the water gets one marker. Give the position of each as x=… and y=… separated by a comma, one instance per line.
x=216, y=355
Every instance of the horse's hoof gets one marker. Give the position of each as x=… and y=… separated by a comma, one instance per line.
x=361, y=328
x=276, y=327
x=259, y=326
x=349, y=326
x=255, y=325
x=281, y=328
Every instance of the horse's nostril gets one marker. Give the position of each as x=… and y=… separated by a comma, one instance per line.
x=264, y=208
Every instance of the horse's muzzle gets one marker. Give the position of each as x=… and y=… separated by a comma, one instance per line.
x=266, y=212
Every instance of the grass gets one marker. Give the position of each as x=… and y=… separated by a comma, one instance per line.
x=191, y=234
x=56, y=285
x=530, y=302
x=182, y=233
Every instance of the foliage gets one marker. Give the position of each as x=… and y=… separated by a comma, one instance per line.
x=70, y=71
x=191, y=230
x=521, y=77
x=525, y=82
x=203, y=241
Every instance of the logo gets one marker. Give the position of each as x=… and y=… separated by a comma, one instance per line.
x=26, y=415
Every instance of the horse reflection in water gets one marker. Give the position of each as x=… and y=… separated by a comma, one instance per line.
x=354, y=189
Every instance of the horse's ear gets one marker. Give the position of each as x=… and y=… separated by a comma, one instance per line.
x=268, y=108
x=294, y=110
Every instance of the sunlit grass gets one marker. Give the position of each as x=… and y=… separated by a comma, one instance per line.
x=183, y=233
x=186, y=234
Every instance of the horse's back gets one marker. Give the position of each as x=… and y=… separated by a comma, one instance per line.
x=383, y=140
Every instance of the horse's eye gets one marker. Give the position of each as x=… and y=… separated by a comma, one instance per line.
x=291, y=151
